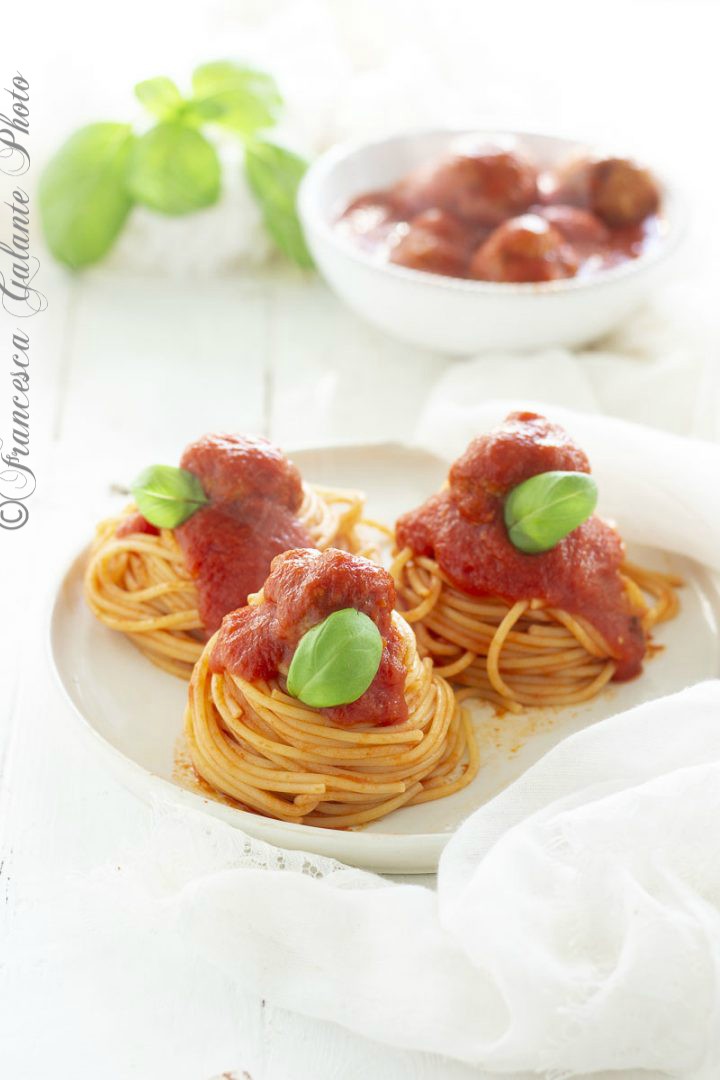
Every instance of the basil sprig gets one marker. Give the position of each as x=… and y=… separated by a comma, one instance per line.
x=84, y=199
x=336, y=661
x=240, y=98
x=174, y=169
x=160, y=96
x=92, y=182
x=541, y=511
x=274, y=176
x=167, y=496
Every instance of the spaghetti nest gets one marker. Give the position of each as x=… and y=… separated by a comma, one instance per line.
x=269, y=753
x=139, y=584
x=518, y=654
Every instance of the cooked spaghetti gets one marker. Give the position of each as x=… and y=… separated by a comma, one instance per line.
x=168, y=589
x=518, y=654
x=516, y=629
x=404, y=741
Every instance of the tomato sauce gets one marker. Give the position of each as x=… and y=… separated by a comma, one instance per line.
x=255, y=495
x=490, y=214
x=303, y=588
x=463, y=529
x=135, y=523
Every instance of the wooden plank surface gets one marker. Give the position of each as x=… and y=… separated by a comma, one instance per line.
x=131, y=369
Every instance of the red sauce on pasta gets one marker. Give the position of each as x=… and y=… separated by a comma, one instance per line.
x=462, y=527
x=303, y=588
x=135, y=523
x=255, y=495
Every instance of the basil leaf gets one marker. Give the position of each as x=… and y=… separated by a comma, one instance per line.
x=83, y=196
x=541, y=511
x=160, y=96
x=336, y=661
x=174, y=169
x=241, y=98
x=274, y=175
x=166, y=496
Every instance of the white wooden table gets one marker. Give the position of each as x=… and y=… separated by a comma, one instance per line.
x=127, y=371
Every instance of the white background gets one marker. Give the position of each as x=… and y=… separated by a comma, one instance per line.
x=128, y=366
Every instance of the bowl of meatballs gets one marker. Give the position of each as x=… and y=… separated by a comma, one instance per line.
x=463, y=241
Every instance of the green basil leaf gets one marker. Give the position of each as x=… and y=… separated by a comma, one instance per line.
x=160, y=96
x=237, y=97
x=166, y=496
x=336, y=661
x=174, y=169
x=274, y=175
x=83, y=196
x=541, y=511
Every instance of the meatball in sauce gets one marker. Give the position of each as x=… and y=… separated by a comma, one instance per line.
x=490, y=214
x=433, y=241
x=524, y=248
x=483, y=188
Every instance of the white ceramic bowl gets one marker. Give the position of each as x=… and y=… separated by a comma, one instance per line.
x=450, y=314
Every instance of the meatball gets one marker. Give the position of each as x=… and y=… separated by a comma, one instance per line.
x=618, y=191
x=576, y=226
x=482, y=188
x=525, y=248
x=233, y=467
x=434, y=242
x=523, y=445
x=622, y=193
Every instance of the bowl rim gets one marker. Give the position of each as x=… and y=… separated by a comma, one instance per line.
x=322, y=168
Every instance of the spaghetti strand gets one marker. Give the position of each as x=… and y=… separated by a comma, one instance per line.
x=523, y=654
x=269, y=753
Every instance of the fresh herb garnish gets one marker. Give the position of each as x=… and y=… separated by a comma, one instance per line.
x=543, y=510
x=239, y=98
x=84, y=199
x=167, y=496
x=160, y=96
x=92, y=182
x=336, y=661
x=174, y=169
x=274, y=175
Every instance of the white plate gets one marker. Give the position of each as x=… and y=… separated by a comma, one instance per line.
x=134, y=711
